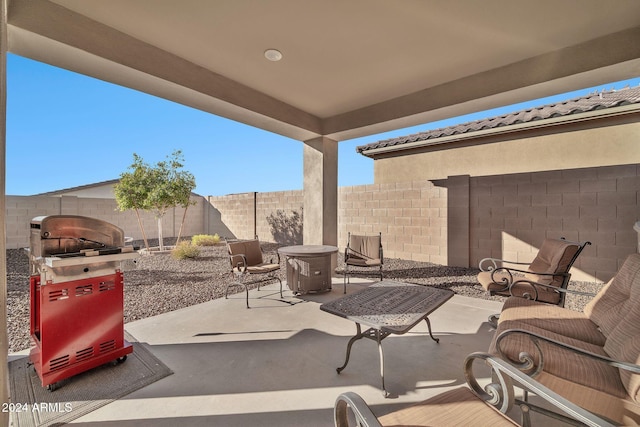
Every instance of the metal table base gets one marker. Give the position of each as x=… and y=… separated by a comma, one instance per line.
x=376, y=335
x=387, y=308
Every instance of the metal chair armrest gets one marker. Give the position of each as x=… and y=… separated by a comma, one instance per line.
x=517, y=270
x=242, y=265
x=508, y=281
x=500, y=392
x=271, y=260
x=364, y=417
x=489, y=264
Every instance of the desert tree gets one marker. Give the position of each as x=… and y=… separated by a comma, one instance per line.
x=132, y=191
x=156, y=188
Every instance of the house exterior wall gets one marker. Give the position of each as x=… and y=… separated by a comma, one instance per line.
x=604, y=142
x=105, y=191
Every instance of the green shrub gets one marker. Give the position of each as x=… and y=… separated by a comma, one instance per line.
x=185, y=250
x=205, y=239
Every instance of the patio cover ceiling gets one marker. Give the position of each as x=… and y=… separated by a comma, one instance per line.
x=350, y=68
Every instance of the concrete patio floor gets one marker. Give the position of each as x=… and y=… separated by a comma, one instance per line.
x=275, y=364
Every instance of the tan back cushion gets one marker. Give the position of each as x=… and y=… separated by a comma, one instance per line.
x=617, y=298
x=249, y=248
x=366, y=247
x=616, y=311
x=554, y=256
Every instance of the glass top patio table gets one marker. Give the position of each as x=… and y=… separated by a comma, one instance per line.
x=387, y=307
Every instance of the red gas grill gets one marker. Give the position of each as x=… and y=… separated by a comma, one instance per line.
x=77, y=298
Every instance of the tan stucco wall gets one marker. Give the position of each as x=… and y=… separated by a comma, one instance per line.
x=99, y=192
x=614, y=141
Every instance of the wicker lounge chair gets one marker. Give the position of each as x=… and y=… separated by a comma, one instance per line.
x=471, y=405
x=248, y=266
x=362, y=251
x=544, y=280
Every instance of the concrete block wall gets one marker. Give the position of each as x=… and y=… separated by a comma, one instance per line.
x=20, y=210
x=232, y=215
x=268, y=203
x=512, y=214
x=459, y=220
x=454, y=221
x=412, y=217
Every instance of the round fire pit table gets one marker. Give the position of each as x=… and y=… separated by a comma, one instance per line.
x=308, y=267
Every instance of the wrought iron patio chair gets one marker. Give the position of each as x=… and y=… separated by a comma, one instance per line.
x=472, y=405
x=545, y=279
x=362, y=251
x=249, y=267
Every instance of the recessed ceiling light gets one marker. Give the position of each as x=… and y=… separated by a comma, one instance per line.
x=273, y=55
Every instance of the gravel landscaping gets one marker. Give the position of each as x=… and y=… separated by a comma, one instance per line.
x=158, y=283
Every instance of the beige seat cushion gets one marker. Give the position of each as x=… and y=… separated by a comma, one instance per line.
x=620, y=410
x=457, y=407
x=562, y=362
x=363, y=262
x=569, y=323
x=263, y=268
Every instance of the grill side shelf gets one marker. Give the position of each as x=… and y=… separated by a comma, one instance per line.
x=55, y=262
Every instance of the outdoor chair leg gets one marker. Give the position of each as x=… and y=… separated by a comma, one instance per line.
x=346, y=277
x=226, y=291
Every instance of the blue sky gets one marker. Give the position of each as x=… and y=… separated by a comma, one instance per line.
x=65, y=130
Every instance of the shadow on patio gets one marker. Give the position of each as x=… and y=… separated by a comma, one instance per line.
x=274, y=364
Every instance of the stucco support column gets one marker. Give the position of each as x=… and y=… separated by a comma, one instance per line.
x=4, y=345
x=320, y=225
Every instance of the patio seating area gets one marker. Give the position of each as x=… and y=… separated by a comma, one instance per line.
x=276, y=363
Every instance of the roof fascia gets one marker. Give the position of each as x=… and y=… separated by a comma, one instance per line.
x=538, y=124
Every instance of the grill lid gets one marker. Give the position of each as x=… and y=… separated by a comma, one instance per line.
x=72, y=234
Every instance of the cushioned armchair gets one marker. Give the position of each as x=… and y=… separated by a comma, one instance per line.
x=590, y=357
x=362, y=251
x=545, y=279
x=473, y=405
x=249, y=267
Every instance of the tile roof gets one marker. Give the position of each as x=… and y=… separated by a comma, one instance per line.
x=594, y=101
